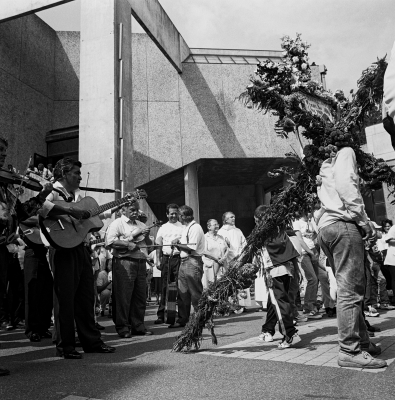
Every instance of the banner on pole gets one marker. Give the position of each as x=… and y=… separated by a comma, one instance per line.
x=317, y=107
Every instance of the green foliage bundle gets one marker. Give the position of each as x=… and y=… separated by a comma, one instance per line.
x=285, y=89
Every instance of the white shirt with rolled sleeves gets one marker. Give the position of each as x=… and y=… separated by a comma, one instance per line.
x=339, y=191
x=193, y=233
x=169, y=232
x=120, y=229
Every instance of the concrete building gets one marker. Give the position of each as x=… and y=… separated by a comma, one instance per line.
x=378, y=204
x=139, y=110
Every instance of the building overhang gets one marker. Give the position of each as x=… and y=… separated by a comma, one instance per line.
x=214, y=172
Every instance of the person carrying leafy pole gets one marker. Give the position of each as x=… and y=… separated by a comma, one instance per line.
x=333, y=128
x=278, y=259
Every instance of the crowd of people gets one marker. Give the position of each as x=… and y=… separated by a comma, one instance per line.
x=331, y=261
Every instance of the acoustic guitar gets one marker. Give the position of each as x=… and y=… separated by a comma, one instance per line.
x=141, y=237
x=66, y=232
x=171, y=296
x=30, y=230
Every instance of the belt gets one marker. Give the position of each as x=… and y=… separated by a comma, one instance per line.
x=137, y=260
x=191, y=255
x=173, y=256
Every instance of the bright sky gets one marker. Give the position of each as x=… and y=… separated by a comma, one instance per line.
x=346, y=35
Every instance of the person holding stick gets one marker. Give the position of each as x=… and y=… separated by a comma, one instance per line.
x=168, y=232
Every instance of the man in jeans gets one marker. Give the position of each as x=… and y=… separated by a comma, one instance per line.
x=343, y=225
x=191, y=246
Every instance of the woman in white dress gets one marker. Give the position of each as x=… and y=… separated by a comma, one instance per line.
x=236, y=241
x=216, y=252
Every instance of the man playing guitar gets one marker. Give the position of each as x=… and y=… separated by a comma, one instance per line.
x=124, y=236
x=72, y=271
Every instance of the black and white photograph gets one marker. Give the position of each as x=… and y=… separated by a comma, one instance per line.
x=197, y=199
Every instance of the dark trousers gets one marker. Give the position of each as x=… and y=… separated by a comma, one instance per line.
x=38, y=292
x=391, y=271
x=15, y=291
x=129, y=283
x=174, y=268
x=74, y=299
x=281, y=310
x=190, y=287
x=5, y=259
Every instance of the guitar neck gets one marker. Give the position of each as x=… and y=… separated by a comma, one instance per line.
x=96, y=241
x=108, y=206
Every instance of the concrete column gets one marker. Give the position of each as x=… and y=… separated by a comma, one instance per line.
x=266, y=198
x=191, y=189
x=258, y=195
x=100, y=133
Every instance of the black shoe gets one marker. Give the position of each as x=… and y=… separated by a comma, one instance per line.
x=329, y=312
x=103, y=348
x=35, y=337
x=4, y=372
x=125, y=335
x=176, y=325
x=159, y=321
x=10, y=327
x=373, y=329
x=143, y=333
x=72, y=355
x=46, y=335
x=100, y=327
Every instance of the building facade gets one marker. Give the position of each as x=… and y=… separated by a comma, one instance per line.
x=192, y=140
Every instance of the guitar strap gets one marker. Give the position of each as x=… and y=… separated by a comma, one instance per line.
x=66, y=198
x=190, y=226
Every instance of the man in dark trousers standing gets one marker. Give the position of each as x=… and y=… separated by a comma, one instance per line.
x=72, y=271
x=170, y=231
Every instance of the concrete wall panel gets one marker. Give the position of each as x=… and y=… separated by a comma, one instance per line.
x=67, y=66
x=10, y=46
x=203, y=119
x=38, y=53
x=164, y=138
x=139, y=67
x=158, y=67
x=153, y=18
x=37, y=122
x=141, y=162
x=65, y=114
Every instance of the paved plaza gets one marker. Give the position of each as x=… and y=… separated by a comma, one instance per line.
x=145, y=368
x=319, y=345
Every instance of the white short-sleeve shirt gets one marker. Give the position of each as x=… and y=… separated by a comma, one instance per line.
x=169, y=232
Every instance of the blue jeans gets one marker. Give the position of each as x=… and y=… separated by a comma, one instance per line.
x=343, y=245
